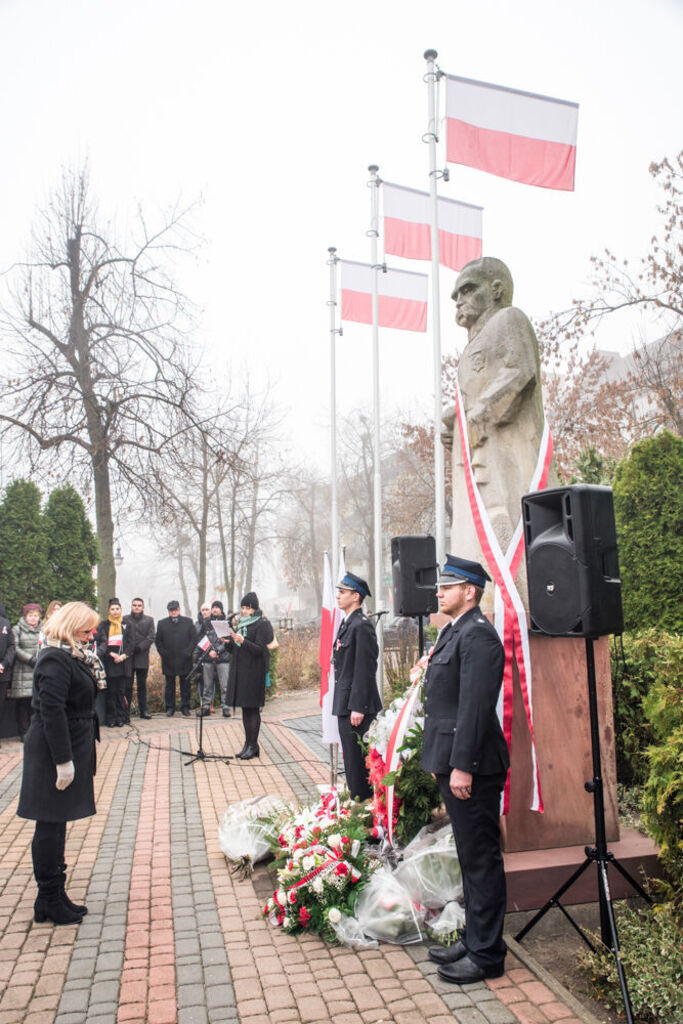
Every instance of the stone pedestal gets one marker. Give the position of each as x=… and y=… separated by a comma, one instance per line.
x=563, y=748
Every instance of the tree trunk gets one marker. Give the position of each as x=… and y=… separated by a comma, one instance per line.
x=106, y=569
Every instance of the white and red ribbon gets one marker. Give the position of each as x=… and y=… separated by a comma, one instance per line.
x=510, y=618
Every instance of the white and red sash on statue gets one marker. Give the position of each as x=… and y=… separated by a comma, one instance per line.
x=510, y=616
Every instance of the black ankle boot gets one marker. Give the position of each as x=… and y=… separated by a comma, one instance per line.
x=50, y=907
x=76, y=908
x=251, y=751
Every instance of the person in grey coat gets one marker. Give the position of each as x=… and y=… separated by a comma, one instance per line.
x=27, y=634
x=59, y=753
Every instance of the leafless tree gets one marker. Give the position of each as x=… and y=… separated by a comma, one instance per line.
x=93, y=330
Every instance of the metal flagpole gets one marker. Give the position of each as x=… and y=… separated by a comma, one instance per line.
x=334, y=330
x=373, y=234
x=431, y=137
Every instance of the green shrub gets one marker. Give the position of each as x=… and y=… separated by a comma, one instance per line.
x=650, y=949
x=648, y=656
x=648, y=505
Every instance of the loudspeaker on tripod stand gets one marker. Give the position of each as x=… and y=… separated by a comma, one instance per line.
x=572, y=565
x=413, y=575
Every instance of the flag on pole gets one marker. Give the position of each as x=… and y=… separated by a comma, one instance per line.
x=408, y=233
x=204, y=643
x=329, y=626
x=401, y=300
x=513, y=134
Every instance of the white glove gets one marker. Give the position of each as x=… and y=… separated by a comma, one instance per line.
x=65, y=774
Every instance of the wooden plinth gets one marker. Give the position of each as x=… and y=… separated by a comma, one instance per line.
x=563, y=747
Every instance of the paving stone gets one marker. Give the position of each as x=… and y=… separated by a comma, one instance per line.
x=496, y=1013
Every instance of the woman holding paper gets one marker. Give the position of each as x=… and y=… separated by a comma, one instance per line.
x=248, y=669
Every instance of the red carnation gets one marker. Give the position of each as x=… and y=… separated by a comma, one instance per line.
x=341, y=869
x=304, y=916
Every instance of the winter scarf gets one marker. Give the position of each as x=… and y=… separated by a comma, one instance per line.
x=81, y=653
x=248, y=620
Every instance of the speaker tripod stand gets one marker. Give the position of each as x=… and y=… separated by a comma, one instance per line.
x=201, y=755
x=598, y=854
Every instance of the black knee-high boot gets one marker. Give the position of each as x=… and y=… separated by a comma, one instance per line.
x=252, y=725
x=47, y=849
x=77, y=908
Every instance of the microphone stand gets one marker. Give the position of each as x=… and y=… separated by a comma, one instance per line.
x=201, y=755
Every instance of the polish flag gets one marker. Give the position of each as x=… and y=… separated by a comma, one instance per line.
x=513, y=134
x=204, y=644
x=329, y=627
x=401, y=296
x=408, y=233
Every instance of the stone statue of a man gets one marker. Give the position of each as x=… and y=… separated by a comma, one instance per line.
x=500, y=381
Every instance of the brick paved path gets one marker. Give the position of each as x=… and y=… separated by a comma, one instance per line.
x=172, y=937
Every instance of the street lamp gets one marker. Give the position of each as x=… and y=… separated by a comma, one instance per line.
x=118, y=557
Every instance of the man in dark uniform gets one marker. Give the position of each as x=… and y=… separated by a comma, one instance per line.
x=465, y=750
x=356, y=700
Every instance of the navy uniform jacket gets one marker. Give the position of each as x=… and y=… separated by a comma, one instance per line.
x=355, y=667
x=461, y=690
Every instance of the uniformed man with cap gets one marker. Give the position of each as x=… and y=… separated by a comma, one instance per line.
x=464, y=748
x=356, y=699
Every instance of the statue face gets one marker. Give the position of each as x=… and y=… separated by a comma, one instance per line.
x=473, y=295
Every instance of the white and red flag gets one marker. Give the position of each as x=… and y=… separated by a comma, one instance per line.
x=513, y=134
x=204, y=643
x=329, y=626
x=408, y=233
x=401, y=296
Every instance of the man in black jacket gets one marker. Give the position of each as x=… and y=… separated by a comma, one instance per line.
x=175, y=642
x=464, y=748
x=138, y=666
x=7, y=649
x=356, y=699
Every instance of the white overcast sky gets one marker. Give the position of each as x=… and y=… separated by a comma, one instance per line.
x=272, y=111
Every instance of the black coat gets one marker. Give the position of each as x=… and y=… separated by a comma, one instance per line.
x=175, y=642
x=461, y=690
x=249, y=665
x=114, y=669
x=142, y=627
x=63, y=728
x=355, y=667
x=7, y=649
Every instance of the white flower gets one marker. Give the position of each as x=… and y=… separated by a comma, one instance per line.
x=334, y=841
x=308, y=863
x=355, y=847
x=317, y=884
x=335, y=915
x=281, y=897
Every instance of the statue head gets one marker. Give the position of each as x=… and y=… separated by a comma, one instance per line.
x=482, y=288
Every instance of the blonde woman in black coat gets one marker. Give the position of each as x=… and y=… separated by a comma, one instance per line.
x=59, y=753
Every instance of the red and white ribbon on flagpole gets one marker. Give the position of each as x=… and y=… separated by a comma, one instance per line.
x=510, y=619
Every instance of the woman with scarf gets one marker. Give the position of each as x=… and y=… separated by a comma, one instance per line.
x=248, y=669
x=115, y=642
x=27, y=637
x=59, y=753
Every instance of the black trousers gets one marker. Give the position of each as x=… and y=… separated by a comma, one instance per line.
x=354, y=758
x=141, y=685
x=169, y=695
x=22, y=712
x=47, y=851
x=476, y=830
x=117, y=710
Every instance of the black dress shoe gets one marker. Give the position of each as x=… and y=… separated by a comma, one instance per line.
x=226, y=713
x=466, y=972
x=185, y=713
x=448, y=954
x=251, y=751
x=145, y=715
x=203, y=712
x=170, y=714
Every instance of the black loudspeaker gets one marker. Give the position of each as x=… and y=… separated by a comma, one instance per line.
x=571, y=559
x=413, y=575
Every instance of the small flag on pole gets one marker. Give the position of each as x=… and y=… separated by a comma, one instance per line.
x=402, y=296
x=329, y=625
x=204, y=643
x=513, y=134
x=408, y=233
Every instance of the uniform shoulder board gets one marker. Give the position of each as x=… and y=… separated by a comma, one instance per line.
x=481, y=619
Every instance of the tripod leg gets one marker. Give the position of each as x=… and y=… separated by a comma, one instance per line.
x=612, y=942
x=629, y=878
x=553, y=901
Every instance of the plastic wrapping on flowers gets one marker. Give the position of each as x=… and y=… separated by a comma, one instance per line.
x=430, y=869
x=322, y=864
x=247, y=830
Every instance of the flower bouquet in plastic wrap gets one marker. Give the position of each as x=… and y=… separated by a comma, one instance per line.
x=248, y=829
x=386, y=911
x=322, y=864
x=430, y=869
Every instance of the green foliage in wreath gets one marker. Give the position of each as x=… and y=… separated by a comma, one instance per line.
x=415, y=788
